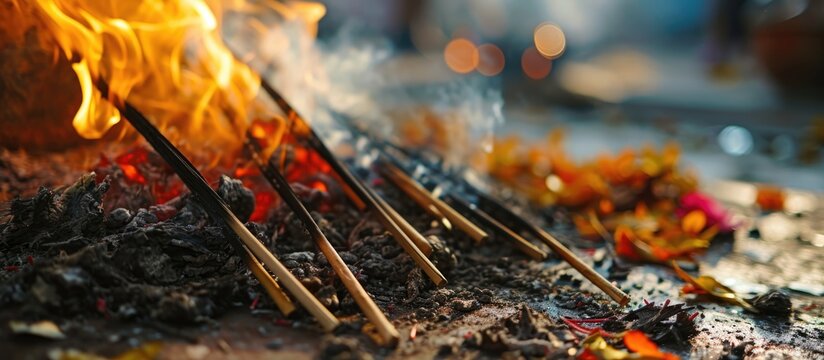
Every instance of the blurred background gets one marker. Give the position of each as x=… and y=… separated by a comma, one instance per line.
x=738, y=84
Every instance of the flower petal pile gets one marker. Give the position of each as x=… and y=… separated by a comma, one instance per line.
x=639, y=199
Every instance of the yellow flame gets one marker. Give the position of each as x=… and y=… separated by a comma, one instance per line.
x=167, y=58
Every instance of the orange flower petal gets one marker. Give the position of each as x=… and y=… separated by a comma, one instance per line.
x=694, y=222
x=770, y=198
x=641, y=210
x=606, y=207
x=638, y=342
x=623, y=243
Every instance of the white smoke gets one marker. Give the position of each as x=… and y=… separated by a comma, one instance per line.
x=351, y=73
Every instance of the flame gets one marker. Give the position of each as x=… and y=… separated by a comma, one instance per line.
x=167, y=57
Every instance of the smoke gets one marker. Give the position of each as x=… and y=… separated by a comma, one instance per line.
x=355, y=73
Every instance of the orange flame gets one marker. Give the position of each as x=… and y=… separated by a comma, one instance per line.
x=167, y=58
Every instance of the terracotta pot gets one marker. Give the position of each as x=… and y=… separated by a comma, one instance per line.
x=39, y=93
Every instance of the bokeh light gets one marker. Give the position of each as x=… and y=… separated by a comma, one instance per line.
x=534, y=65
x=491, y=60
x=735, y=140
x=461, y=56
x=549, y=40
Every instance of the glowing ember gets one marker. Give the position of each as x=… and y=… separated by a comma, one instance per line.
x=129, y=161
x=264, y=202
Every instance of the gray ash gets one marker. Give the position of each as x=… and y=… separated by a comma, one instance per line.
x=170, y=262
x=124, y=266
x=110, y=247
x=526, y=334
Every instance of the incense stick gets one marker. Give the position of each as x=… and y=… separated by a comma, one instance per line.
x=410, y=231
x=522, y=244
x=218, y=209
x=426, y=200
x=420, y=241
x=588, y=272
x=269, y=284
x=270, y=171
x=362, y=191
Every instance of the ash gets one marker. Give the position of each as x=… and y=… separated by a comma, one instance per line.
x=126, y=265
x=72, y=258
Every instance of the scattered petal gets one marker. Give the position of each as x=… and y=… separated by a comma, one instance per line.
x=770, y=198
x=712, y=287
x=694, y=222
x=72, y=354
x=715, y=214
x=45, y=329
x=596, y=347
x=147, y=351
x=637, y=342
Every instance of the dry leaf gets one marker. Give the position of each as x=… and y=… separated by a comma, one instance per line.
x=712, y=287
x=596, y=347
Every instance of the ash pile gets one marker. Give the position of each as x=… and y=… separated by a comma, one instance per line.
x=90, y=250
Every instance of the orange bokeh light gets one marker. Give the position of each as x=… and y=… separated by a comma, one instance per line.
x=549, y=40
x=491, y=60
x=534, y=65
x=461, y=56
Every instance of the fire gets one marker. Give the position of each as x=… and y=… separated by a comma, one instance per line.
x=167, y=57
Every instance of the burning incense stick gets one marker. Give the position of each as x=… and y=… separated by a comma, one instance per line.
x=522, y=244
x=426, y=200
x=362, y=191
x=588, y=272
x=270, y=171
x=217, y=208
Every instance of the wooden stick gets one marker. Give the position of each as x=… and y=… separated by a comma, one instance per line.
x=217, y=208
x=301, y=128
x=270, y=171
x=585, y=270
x=422, y=201
x=522, y=244
x=426, y=200
x=588, y=272
x=270, y=285
x=408, y=229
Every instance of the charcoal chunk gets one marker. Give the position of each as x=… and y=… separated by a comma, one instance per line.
x=240, y=199
x=773, y=303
